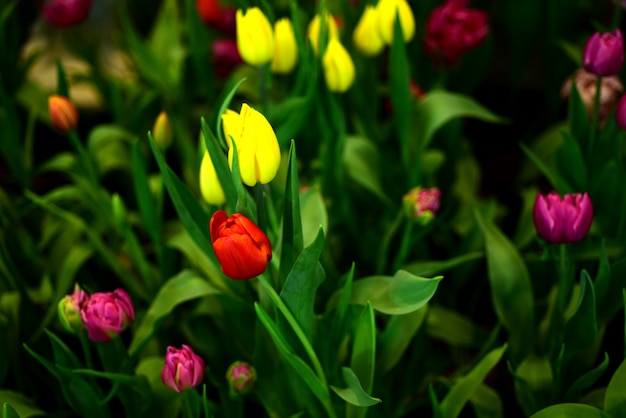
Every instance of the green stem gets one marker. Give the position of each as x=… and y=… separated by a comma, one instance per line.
x=405, y=244
x=187, y=401
x=85, y=159
x=617, y=15
x=594, y=121
x=564, y=289
x=84, y=342
x=384, y=245
x=295, y=326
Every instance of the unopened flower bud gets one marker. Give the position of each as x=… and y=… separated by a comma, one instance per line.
x=63, y=113
x=422, y=204
x=241, y=377
x=604, y=53
x=162, y=130
x=183, y=368
x=562, y=221
x=69, y=309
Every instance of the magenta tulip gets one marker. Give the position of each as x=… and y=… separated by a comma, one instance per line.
x=604, y=53
x=105, y=315
x=563, y=221
x=63, y=13
x=183, y=368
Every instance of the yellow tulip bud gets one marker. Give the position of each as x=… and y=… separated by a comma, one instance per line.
x=314, y=29
x=255, y=37
x=257, y=145
x=210, y=186
x=338, y=67
x=386, y=10
x=162, y=131
x=366, y=35
x=285, y=49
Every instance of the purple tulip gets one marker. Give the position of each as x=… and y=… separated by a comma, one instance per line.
x=63, y=13
x=107, y=314
x=563, y=221
x=183, y=368
x=604, y=53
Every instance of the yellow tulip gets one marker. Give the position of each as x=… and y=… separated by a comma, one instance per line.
x=386, y=10
x=285, y=48
x=255, y=37
x=210, y=186
x=162, y=131
x=338, y=67
x=314, y=29
x=257, y=146
x=366, y=36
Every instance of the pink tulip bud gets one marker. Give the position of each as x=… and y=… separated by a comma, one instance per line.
x=183, y=368
x=241, y=377
x=63, y=13
x=422, y=204
x=563, y=221
x=604, y=53
x=107, y=314
x=620, y=113
x=69, y=309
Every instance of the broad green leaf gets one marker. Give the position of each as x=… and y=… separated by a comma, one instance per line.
x=165, y=40
x=464, y=388
x=292, y=238
x=20, y=404
x=585, y=381
x=570, y=410
x=394, y=295
x=8, y=412
x=511, y=290
x=287, y=352
x=301, y=284
x=438, y=107
x=395, y=339
x=354, y=393
x=454, y=328
x=615, y=398
x=570, y=164
x=487, y=402
x=181, y=288
x=361, y=160
x=581, y=328
x=191, y=214
x=63, y=356
x=313, y=214
x=428, y=268
x=344, y=299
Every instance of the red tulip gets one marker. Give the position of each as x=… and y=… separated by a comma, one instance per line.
x=453, y=29
x=217, y=16
x=240, y=246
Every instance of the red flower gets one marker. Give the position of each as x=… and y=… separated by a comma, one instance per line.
x=63, y=13
x=217, y=16
x=453, y=29
x=242, y=249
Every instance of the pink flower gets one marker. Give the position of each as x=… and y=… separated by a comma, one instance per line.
x=107, y=314
x=452, y=29
x=604, y=53
x=563, y=221
x=422, y=204
x=225, y=56
x=69, y=309
x=241, y=377
x=183, y=368
x=64, y=13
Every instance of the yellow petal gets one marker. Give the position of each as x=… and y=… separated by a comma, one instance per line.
x=338, y=67
x=386, y=10
x=255, y=36
x=285, y=47
x=210, y=186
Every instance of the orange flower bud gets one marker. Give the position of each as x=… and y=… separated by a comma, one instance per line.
x=63, y=113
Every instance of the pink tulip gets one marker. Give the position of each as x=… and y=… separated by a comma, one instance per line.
x=107, y=314
x=563, y=221
x=63, y=13
x=604, y=53
x=183, y=368
x=241, y=377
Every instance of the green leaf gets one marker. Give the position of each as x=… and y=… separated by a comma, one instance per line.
x=570, y=410
x=62, y=88
x=577, y=117
x=227, y=97
x=361, y=159
x=364, y=348
x=165, y=40
x=292, y=238
x=394, y=295
x=570, y=164
x=63, y=356
x=581, y=328
x=354, y=393
x=344, y=299
x=313, y=214
x=428, y=268
x=301, y=284
x=191, y=214
x=463, y=389
x=586, y=381
x=487, y=402
x=20, y=404
x=397, y=336
x=454, y=328
x=164, y=400
x=145, y=201
x=612, y=301
x=534, y=382
x=181, y=288
x=438, y=107
x=615, y=398
x=220, y=162
x=511, y=290
x=109, y=147
x=8, y=412
x=555, y=180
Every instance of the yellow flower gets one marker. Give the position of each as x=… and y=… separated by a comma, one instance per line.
x=162, y=131
x=366, y=35
x=257, y=146
x=338, y=67
x=210, y=186
x=386, y=10
x=285, y=50
x=255, y=38
x=314, y=30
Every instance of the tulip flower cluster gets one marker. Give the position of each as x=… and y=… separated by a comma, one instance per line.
x=103, y=314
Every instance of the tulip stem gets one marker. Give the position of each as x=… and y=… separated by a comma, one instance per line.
x=82, y=335
x=594, y=120
x=563, y=291
x=384, y=245
x=84, y=158
x=295, y=326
